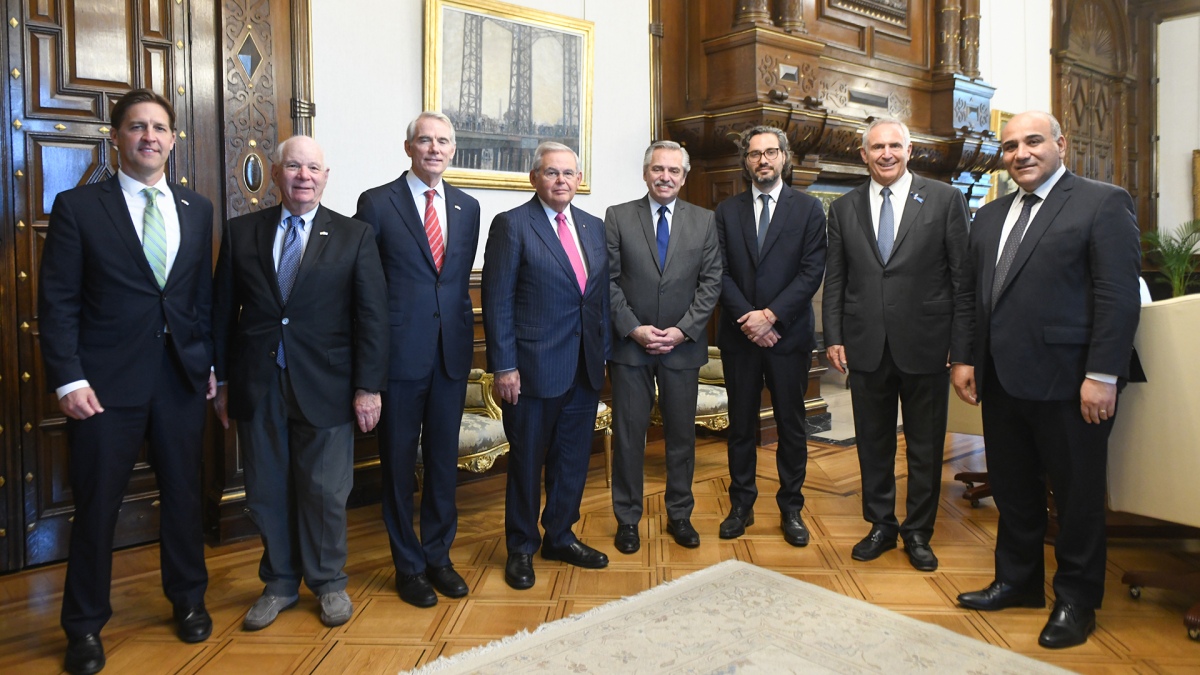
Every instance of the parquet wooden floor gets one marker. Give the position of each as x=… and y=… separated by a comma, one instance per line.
x=386, y=635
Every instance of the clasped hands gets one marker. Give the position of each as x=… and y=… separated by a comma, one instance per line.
x=657, y=341
x=759, y=326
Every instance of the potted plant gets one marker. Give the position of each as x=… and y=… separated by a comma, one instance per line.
x=1172, y=253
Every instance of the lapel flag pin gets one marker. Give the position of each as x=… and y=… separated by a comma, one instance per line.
x=185, y=202
x=457, y=207
x=919, y=198
x=323, y=233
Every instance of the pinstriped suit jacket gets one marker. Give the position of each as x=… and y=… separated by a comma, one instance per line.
x=535, y=317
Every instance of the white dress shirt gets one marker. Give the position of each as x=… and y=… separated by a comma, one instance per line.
x=901, y=188
x=281, y=232
x=418, y=189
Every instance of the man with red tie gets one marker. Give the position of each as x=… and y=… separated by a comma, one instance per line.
x=427, y=231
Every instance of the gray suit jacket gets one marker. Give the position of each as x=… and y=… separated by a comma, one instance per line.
x=918, y=300
x=683, y=294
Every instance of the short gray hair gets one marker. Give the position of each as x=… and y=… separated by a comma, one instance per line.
x=277, y=154
x=666, y=145
x=429, y=114
x=880, y=121
x=551, y=146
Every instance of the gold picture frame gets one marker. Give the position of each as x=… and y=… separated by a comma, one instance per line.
x=472, y=48
x=1002, y=183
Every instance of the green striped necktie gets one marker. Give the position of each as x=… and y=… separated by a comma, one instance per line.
x=154, y=237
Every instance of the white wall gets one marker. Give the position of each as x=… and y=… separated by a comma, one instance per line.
x=1014, y=53
x=368, y=86
x=1178, y=118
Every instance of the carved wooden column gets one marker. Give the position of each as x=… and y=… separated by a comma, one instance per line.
x=751, y=13
x=791, y=16
x=946, y=61
x=970, y=38
x=303, y=108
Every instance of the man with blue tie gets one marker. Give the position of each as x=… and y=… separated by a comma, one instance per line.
x=300, y=328
x=545, y=313
x=427, y=231
x=665, y=269
x=124, y=300
x=773, y=248
x=895, y=297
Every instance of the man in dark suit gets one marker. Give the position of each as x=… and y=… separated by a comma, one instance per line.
x=1055, y=284
x=773, y=248
x=665, y=269
x=545, y=313
x=895, y=292
x=124, y=299
x=427, y=232
x=300, y=326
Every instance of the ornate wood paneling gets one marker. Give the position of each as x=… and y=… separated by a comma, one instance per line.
x=253, y=75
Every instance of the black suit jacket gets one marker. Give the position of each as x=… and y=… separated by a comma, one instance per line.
x=784, y=277
x=914, y=303
x=334, y=326
x=421, y=302
x=101, y=313
x=534, y=315
x=1070, y=301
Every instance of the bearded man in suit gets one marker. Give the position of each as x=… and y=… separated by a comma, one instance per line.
x=773, y=251
x=895, y=294
x=300, y=322
x=1054, y=278
x=664, y=264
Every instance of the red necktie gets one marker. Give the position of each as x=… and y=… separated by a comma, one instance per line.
x=434, y=231
x=568, y=244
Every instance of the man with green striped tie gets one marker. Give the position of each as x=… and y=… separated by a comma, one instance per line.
x=124, y=310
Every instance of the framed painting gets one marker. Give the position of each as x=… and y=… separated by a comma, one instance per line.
x=509, y=78
x=1002, y=183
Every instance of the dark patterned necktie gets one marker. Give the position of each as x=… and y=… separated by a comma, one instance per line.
x=1012, y=244
x=887, y=225
x=289, y=264
x=764, y=220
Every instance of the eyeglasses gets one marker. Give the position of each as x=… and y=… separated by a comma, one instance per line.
x=553, y=174
x=771, y=153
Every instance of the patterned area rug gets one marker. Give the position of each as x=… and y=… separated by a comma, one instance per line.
x=738, y=618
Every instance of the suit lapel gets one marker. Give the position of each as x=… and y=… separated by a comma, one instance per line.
x=113, y=200
x=190, y=233
x=549, y=236
x=265, y=237
x=991, y=245
x=402, y=199
x=778, y=218
x=454, y=226
x=1054, y=203
x=861, y=203
x=595, y=252
x=750, y=225
x=318, y=237
x=912, y=208
x=649, y=222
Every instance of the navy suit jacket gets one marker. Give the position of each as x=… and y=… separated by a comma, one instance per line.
x=421, y=302
x=535, y=317
x=1070, y=301
x=100, y=311
x=915, y=302
x=334, y=325
x=783, y=277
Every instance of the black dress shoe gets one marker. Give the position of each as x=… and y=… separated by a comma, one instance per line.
x=193, y=624
x=1000, y=595
x=627, y=539
x=577, y=553
x=794, y=530
x=685, y=535
x=416, y=590
x=735, y=524
x=85, y=655
x=447, y=582
x=920, y=555
x=873, y=545
x=1069, y=625
x=518, y=571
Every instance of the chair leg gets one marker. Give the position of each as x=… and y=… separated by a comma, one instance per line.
x=608, y=457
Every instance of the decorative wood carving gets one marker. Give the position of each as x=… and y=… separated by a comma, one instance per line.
x=949, y=34
x=791, y=16
x=251, y=99
x=970, y=38
x=750, y=13
x=891, y=11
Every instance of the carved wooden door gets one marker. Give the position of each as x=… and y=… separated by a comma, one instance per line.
x=67, y=62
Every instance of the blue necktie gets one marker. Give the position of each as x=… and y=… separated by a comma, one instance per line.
x=764, y=220
x=887, y=226
x=662, y=235
x=289, y=264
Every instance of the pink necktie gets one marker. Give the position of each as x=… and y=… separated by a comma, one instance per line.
x=568, y=244
x=433, y=230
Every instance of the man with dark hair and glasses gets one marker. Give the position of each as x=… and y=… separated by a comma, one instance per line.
x=772, y=242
